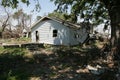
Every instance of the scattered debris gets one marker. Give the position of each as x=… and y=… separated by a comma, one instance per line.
x=83, y=70
x=118, y=76
x=95, y=70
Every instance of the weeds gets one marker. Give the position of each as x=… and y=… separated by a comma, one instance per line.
x=60, y=64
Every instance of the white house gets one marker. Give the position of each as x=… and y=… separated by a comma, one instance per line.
x=57, y=32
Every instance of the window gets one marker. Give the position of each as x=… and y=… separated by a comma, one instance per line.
x=55, y=33
x=76, y=36
x=25, y=34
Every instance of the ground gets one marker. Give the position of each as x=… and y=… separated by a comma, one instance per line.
x=53, y=63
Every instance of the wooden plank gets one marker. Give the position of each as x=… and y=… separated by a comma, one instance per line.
x=11, y=45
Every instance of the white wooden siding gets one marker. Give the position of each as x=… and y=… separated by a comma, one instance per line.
x=65, y=36
x=45, y=30
x=82, y=35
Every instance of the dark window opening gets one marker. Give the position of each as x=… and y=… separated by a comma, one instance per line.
x=55, y=33
x=29, y=34
x=76, y=36
x=25, y=34
x=37, y=36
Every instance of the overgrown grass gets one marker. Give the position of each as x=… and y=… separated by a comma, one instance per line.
x=12, y=51
x=62, y=64
x=10, y=58
x=15, y=66
x=15, y=40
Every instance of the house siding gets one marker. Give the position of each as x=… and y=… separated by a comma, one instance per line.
x=73, y=40
x=65, y=35
x=45, y=30
x=82, y=35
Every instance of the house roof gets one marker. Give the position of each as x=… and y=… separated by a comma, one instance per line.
x=26, y=29
x=68, y=24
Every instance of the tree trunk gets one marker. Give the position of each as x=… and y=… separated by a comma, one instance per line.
x=0, y=35
x=114, y=13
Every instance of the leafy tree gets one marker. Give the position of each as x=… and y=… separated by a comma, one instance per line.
x=58, y=15
x=14, y=3
x=97, y=11
x=38, y=18
x=85, y=9
x=63, y=16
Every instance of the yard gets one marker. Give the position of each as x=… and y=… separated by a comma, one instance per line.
x=53, y=63
x=15, y=40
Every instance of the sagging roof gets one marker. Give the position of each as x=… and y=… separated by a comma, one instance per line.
x=67, y=24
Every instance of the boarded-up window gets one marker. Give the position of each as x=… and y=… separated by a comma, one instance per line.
x=55, y=33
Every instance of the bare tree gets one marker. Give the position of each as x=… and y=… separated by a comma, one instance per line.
x=4, y=21
x=23, y=20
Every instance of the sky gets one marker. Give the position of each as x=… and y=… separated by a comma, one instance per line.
x=46, y=7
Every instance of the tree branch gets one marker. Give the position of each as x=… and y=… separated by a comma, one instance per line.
x=5, y=22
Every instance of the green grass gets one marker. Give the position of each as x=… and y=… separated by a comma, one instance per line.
x=12, y=51
x=1, y=49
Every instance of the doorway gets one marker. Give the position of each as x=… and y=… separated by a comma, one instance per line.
x=37, y=36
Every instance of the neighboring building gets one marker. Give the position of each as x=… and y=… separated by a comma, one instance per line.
x=26, y=32
x=57, y=32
